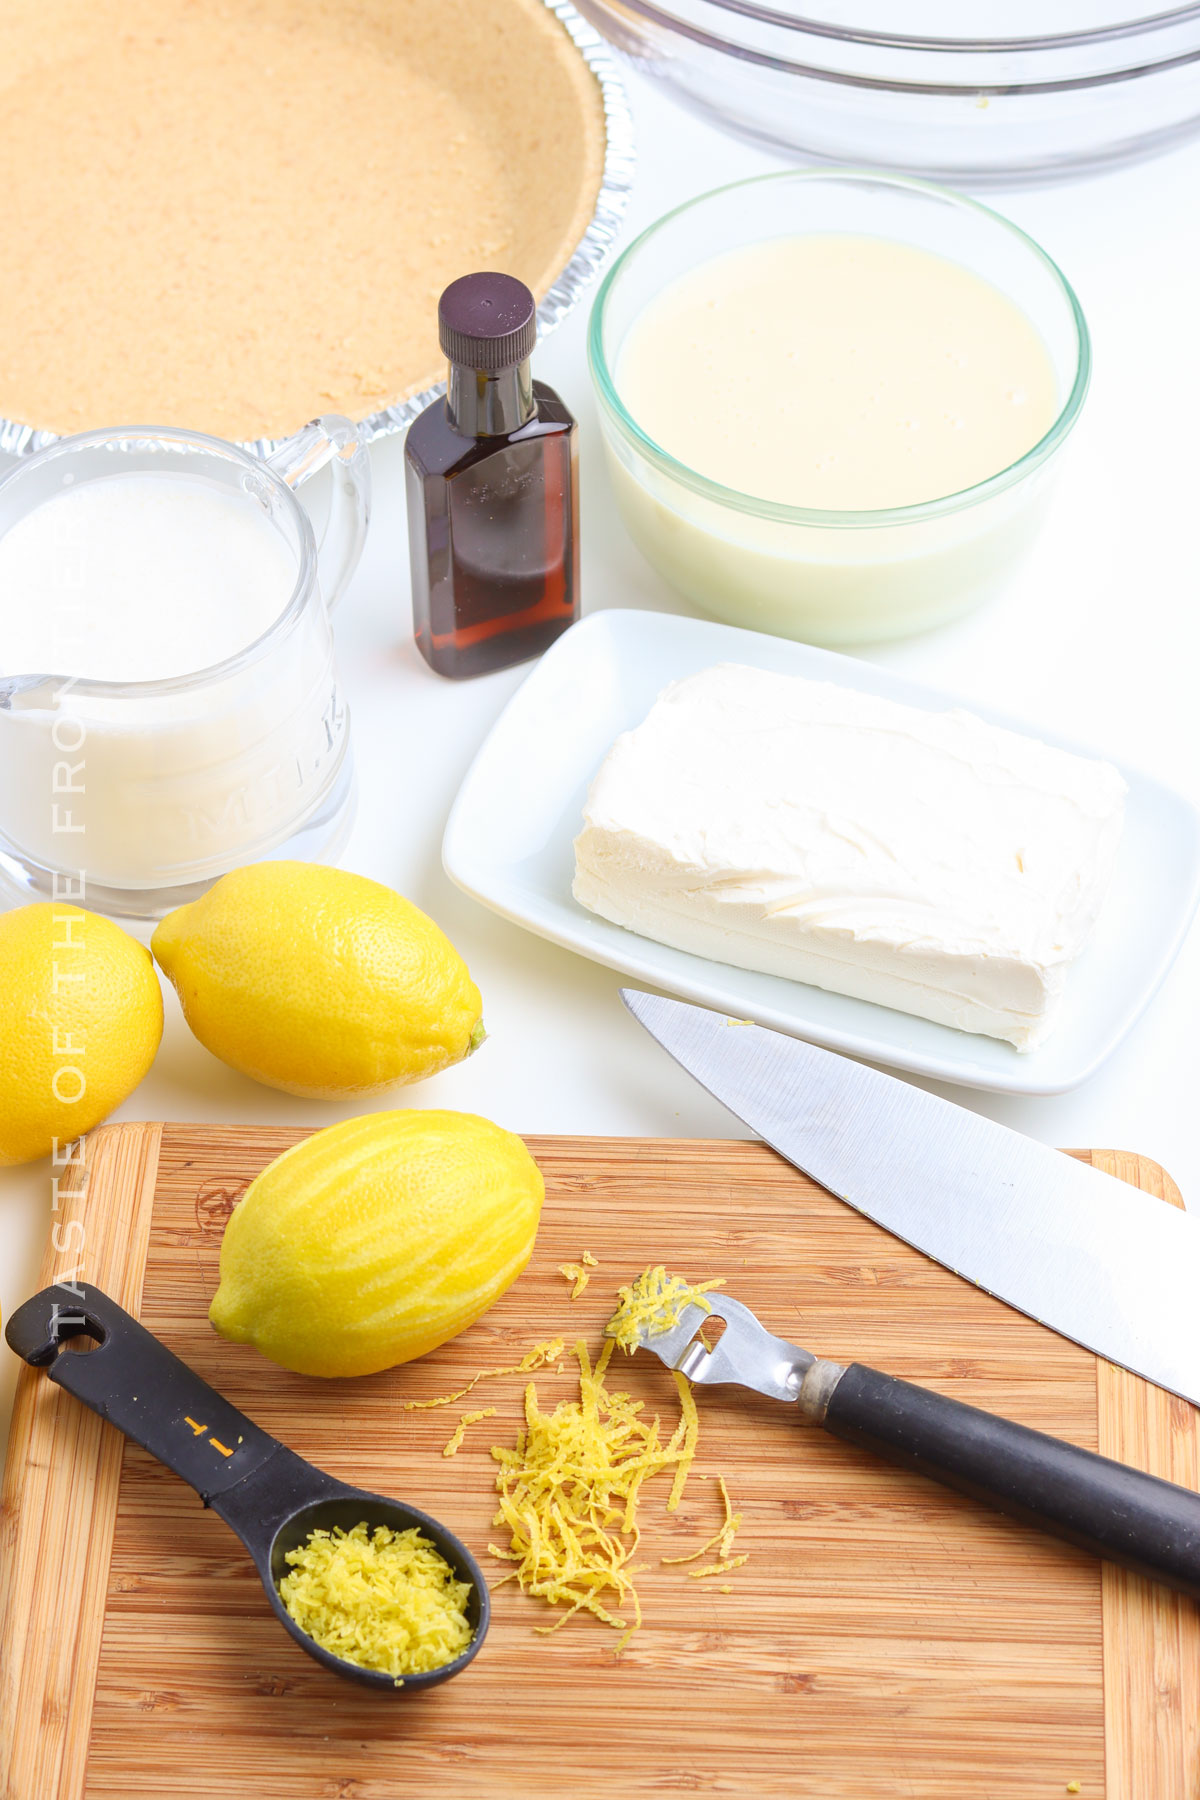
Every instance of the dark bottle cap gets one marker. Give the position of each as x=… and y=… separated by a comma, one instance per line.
x=487, y=321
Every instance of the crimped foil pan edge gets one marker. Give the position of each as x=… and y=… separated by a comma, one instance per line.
x=584, y=266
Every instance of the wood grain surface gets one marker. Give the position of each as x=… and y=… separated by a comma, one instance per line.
x=886, y=1639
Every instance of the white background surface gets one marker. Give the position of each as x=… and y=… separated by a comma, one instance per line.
x=1098, y=638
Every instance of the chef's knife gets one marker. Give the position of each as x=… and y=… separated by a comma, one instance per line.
x=1097, y=1260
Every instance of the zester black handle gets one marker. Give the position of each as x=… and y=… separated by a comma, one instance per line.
x=132, y=1379
x=1120, y=1514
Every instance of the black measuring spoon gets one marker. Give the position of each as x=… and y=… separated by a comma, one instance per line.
x=271, y=1497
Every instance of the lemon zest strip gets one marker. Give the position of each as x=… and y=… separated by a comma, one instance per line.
x=721, y=1540
x=718, y=1568
x=460, y=1430
x=548, y=1352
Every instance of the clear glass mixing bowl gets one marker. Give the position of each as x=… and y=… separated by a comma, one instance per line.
x=987, y=91
x=832, y=577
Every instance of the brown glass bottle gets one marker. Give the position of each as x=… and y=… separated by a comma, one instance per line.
x=491, y=476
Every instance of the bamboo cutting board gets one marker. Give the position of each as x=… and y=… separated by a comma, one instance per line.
x=886, y=1638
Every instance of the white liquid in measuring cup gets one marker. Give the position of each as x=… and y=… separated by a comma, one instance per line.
x=138, y=578
x=159, y=577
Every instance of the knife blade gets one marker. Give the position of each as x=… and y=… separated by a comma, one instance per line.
x=1097, y=1260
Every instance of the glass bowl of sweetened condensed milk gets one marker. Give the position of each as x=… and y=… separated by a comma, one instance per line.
x=833, y=401
x=169, y=703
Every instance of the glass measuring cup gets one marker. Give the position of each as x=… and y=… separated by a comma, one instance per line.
x=132, y=797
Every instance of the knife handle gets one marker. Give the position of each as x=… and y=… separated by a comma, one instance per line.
x=1121, y=1514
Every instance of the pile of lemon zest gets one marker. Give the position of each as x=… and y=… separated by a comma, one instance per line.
x=548, y=1352
x=460, y=1430
x=589, y=1261
x=578, y=1274
x=653, y=1304
x=382, y=1599
x=568, y=1495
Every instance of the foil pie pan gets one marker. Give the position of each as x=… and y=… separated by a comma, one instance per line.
x=586, y=263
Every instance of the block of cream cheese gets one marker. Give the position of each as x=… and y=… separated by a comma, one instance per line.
x=926, y=861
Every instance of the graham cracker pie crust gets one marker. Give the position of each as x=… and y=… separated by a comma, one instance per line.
x=233, y=215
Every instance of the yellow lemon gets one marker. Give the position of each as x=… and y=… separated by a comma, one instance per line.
x=375, y=1240
x=80, y=1024
x=319, y=982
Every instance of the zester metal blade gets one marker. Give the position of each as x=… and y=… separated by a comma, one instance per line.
x=746, y=1353
x=1097, y=1260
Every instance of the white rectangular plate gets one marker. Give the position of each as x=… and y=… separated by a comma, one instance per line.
x=510, y=836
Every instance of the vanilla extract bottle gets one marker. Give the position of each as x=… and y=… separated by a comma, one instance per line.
x=491, y=474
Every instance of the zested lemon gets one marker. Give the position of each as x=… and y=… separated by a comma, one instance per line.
x=375, y=1240
x=319, y=982
x=79, y=1026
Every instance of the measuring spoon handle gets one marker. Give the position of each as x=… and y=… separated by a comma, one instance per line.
x=1121, y=1514
x=134, y=1381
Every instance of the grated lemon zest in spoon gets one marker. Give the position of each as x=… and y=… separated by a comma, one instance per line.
x=380, y=1598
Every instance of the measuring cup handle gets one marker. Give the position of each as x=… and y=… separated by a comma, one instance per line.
x=140, y=1386
x=332, y=440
